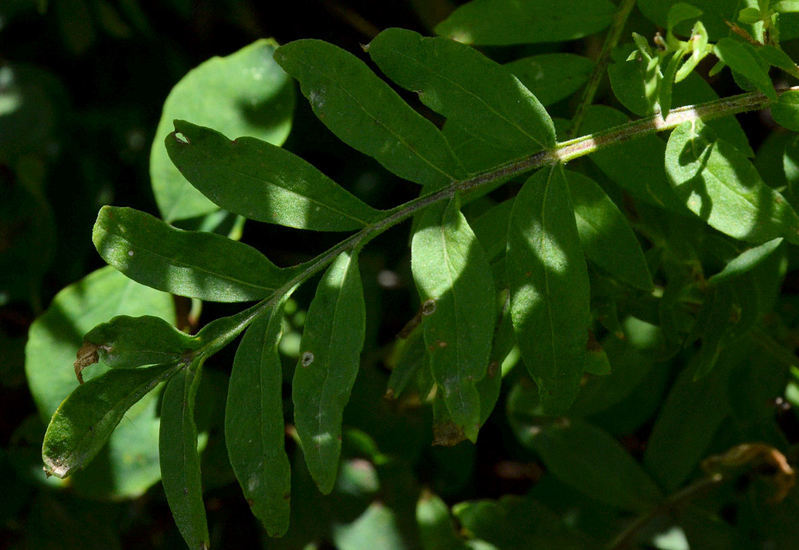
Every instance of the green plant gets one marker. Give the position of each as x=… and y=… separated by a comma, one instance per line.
x=557, y=274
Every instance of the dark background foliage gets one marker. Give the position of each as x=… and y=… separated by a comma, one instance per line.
x=94, y=75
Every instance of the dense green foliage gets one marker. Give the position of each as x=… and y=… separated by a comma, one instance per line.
x=582, y=338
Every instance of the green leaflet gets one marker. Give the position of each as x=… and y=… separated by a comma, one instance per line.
x=263, y=182
x=504, y=22
x=180, y=460
x=454, y=281
x=786, y=110
x=472, y=91
x=718, y=184
x=243, y=94
x=592, y=462
x=552, y=76
x=128, y=342
x=635, y=80
x=742, y=58
x=54, y=339
x=630, y=164
x=549, y=287
x=365, y=113
x=330, y=358
x=745, y=262
x=254, y=429
x=606, y=237
x=186, y=263
x=674, y=451
x=84, y=421
x=714, y=14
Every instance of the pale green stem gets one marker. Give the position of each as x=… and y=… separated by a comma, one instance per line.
x=616, y=27
x=563, y=152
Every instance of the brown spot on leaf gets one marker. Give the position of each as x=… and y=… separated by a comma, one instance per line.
x=447, y=434
x=87, y=355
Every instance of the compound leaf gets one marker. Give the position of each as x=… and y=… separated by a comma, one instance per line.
x=84, y=421
x=719, y=184
x=606, y=237
x=243, y=94
x=455, y=285
x=263, y=182
x=366, y=114
x=505, y=22
x=332, y=339
x=254, y=428
x=481, y=96
x=180, y=460
x=186, y=263
x=549, y=287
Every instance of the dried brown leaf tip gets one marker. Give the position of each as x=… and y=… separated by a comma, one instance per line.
x=753, y=455
x=87, y=355
x=447, y=434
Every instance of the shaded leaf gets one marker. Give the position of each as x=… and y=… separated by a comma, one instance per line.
x=504, y=22
x=742, y=58
x=82, y=424
x=786, y=110
x=436, y=529
x=243, y=94
x=472, y=91
x=457, y=292
x=254, y=428
x=180, y=460
x=366, y=114
x=263, y=182
x=330, y=358
x=552, y=76
x=592, y=462
x=606, y=237
x=549, y=287
x=186, y=263
x=745, y=262
x=718, y=184
x=408, y=356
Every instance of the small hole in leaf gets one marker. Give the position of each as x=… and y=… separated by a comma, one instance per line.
x=307, y=358
x=429, y=307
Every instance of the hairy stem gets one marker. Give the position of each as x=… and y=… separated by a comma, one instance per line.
x=563, y=152
x=619, y=21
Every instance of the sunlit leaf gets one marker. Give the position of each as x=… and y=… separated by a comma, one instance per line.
x=549, y=287
x=263, y=182
x=504, y=22
x=457, y=292
x=187, y=263
x=329, y=361
x=365, y=113
x=243, y=94
x=718, y=184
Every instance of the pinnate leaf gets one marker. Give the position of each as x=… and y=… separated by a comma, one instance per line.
x=263, y=182
x=549, y=287
x=365, y=113
x=330, y=358
x=243, y=94
x=186, y=263
x=458, y=303
x=720, y=185
x=505, y=22
x=84, y=421
x=180, y=460
x=254, y=428
x=472, y=91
